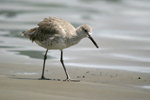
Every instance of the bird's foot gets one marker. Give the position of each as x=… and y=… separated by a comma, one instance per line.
x=43, y=78
x=71, y=80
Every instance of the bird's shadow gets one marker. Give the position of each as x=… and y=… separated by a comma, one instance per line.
x=35, y=79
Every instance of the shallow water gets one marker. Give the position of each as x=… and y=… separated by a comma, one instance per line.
x=120, y=27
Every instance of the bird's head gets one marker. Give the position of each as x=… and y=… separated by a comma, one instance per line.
x=86, y=31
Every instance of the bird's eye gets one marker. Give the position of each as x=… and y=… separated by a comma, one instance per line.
x=85, y=30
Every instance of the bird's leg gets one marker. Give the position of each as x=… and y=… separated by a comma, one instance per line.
x=67, y=75
x=62, y=62
x=45, y=57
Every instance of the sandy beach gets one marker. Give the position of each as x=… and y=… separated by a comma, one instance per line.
x=20, y=82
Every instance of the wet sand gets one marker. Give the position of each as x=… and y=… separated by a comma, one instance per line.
x=103, y=75
x=20, y=82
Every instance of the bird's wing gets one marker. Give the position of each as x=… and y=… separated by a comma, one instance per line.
x=55, y=26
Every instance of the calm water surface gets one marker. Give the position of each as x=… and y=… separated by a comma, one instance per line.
x=120, y=27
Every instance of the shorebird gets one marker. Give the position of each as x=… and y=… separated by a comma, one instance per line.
x=56, y=33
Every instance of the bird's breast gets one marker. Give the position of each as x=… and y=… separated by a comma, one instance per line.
x=58, y=42
x=53, y=43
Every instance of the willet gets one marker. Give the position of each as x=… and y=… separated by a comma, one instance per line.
x=56, y=33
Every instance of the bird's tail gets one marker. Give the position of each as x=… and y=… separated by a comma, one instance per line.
x=31, y=34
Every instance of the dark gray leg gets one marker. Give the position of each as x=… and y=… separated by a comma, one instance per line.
x=62, y=62
x=67, y=75
x=45, y=57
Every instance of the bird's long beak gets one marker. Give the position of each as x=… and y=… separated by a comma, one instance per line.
x=93, y=40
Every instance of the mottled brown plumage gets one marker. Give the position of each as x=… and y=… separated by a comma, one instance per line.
x=50, y=27
x=55, y=25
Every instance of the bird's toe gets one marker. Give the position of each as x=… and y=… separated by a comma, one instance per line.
x=71, y=80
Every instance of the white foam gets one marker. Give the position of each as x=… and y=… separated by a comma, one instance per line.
x=26, y=73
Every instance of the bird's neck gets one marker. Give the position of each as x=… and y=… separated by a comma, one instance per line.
x=75, y=37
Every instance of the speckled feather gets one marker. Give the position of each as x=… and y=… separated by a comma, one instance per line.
x=49, y=26
x=56, y=33
x=55, y=25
